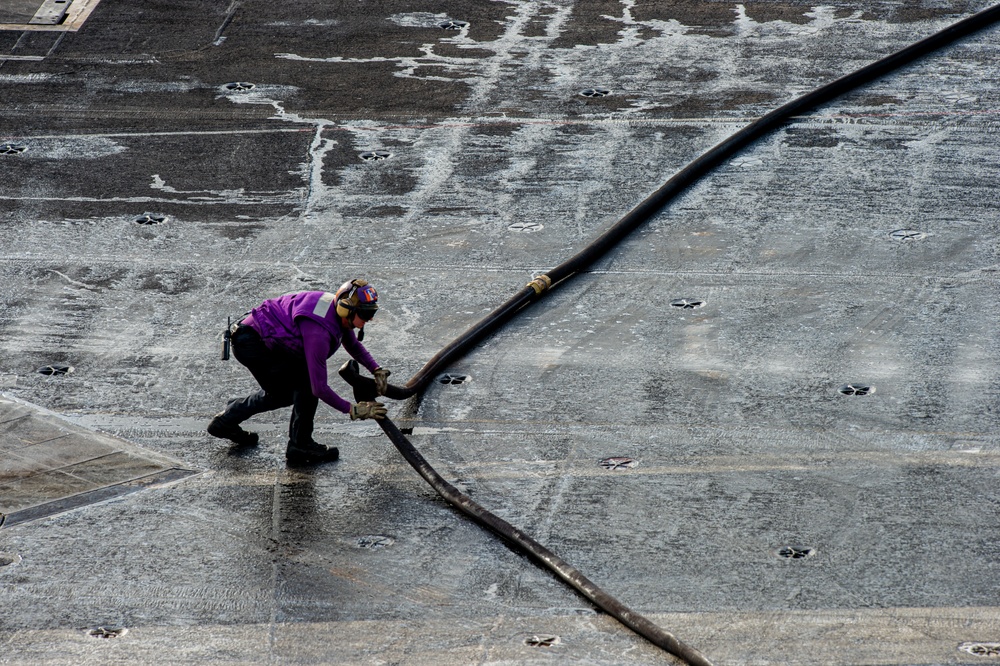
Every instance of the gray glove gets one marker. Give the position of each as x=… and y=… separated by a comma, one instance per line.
x=368, y=410
x=381, y=380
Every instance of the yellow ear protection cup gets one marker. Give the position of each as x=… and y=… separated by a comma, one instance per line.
x=345, y=297
x=357, y=297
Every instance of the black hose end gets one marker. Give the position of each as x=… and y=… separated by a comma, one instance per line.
x=364, y=387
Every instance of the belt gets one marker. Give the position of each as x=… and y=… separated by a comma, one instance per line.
x=238, y=324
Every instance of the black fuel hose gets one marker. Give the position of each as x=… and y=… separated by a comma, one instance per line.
x=364, y=389
x=461, y=345
x=654, y=203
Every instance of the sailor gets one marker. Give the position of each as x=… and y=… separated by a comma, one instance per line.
x=285, y=343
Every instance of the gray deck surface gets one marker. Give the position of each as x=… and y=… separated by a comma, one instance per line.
x=857, y=246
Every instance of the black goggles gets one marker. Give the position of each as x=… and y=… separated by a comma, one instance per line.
x=365, y=314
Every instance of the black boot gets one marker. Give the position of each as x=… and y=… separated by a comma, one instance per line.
x=311, y=453
x=223, y=429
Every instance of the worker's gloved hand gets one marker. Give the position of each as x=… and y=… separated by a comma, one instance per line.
x=368, y=410
x=381, y=380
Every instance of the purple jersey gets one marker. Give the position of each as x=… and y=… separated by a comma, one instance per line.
x=306, y=323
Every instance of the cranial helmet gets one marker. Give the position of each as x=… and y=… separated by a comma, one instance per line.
x=357, y=297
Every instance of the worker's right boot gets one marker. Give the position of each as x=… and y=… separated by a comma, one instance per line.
x=224, y=426
x=310, y=453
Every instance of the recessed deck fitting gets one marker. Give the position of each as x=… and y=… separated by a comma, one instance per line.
x=795, y=552
x=55, y=369
x=375, y=541
x=107, y=632
x=527, y=227
x=375, y=155
x=149, y=218
x=452, y=24
x=687, y=303
x=595, y=92
x=12, y=148
x=981, y=649
x=542, y=641
x=239, y=86
x=448, y=378
x=856, y=389
x=907, y=235
x=617, y=462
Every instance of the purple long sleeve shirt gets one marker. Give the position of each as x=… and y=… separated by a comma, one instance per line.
x=318, y=346
x=306, y=324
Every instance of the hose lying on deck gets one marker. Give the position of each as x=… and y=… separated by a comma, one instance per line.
x=540, y=286
x=364, y=389
x=684, y=178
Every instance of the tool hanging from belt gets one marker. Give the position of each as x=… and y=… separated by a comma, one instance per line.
x=227, y=337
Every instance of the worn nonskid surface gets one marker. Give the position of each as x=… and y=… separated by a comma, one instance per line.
x=768, y=420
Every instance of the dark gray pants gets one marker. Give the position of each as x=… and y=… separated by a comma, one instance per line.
x=284, y=381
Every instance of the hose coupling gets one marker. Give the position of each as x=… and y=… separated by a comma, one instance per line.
x=540, y=283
